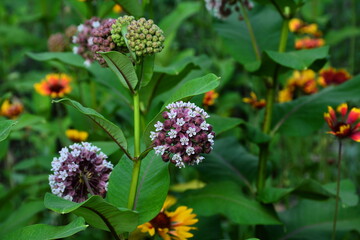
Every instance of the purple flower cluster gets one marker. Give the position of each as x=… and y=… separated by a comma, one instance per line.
x=84, y=39
x=102, y=40
x=184, y=134
x=79, y=171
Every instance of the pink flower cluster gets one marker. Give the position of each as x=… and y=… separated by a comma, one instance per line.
x=80, y=170
x=183, y=135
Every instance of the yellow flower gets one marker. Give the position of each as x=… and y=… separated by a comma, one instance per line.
x=254, y=102
x=76, y=136
x=305, y=80
x=171, y=225
x=285, y=95
x=117, y=8
x=54, y=85
x=11, y=110
x=296, y=25
x=209, y=98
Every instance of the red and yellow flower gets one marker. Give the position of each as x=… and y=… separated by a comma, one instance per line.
x=348, y=126
x=117, y=8
x=209, y=98
x=11, y=110
x=296, y=25
x=308, y=43
x=54, y=85
x=76, y=135
x=254, y=102
x=333, y=76
x=171, y=225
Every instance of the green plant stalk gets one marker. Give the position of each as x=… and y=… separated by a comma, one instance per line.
x=251, y=32
x=137, y=162
x=337, y=192
x=270, y=99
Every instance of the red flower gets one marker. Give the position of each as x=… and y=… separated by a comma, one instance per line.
x=333, y=76
x=348, y=126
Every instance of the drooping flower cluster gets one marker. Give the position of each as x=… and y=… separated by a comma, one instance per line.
x=223, y=8
x=76, y=135
x=102, y=40
x=54, y=85
x=145, y=37
x=80, y=170
x=184, y=134
x=347, y=126
x=11, y=109
x=332, y=76
x=301, y=82
x=309, y=34
x=84, y=39
x=171, y=225
x=254, y=101
x=210, y=97
x=116, y=34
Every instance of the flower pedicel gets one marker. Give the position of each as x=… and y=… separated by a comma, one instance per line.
x=80, y=171
x=184, y=134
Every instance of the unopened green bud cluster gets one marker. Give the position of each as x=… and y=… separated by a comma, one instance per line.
x=144, y=37
x=116, y=31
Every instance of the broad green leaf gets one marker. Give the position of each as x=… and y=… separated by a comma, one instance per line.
x=225, y=198
x=237, y=40
x=106, y=147
x=175, y=68
x=222, y=124
x=348, y=194
x=28, y=120
x=229, y=161
x=122, y=66
x=110, y=128
x=47, y=232
x=309, y=220
x=65, y=57
x=307, y=189
x=153, y=186
x=305, y=114
x=334, y=37
x=21, y=216
x=299, y=60
x=185, y=92
x=147, y=70
x=5, y=128
x=97, y=212
x=132, y=7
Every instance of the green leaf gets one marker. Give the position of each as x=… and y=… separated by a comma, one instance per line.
x=28, y=120
x=110, y=128
x=97, y=212
x=122, y=66
x=299, y=60
x=47, y=232
x=348, y=195
x=222, y=124
x=132, y=7
x=147, y=70
x=304, y=115
x=153, y=186
x=226, y=198
x=334, y=37
x=229, y=161
x=309, y=220
x=5, y=128
x=64, y=57
x=184, y=92
x=176, y=67
x=21, y=216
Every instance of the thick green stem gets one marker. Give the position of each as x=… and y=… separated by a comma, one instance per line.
x=270, y=99
x=251, y=32
x=337, y=192
x=137, y=162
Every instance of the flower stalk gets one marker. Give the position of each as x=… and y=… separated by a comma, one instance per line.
x=270, y=99
x=337, y=191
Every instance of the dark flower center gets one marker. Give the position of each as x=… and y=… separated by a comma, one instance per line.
x=56, y=87
x=161, y=221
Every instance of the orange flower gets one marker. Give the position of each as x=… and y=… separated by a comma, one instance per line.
x=54, y=85
x=76, y=136
x=305, y=80
x=117, y=8
x=11, y=110
x=349, y=124
x=295, y=24
x=308, y=43
x=171, y=225
x=332, y=76
x=254, y=102
x=209, y=98
x=298, y=26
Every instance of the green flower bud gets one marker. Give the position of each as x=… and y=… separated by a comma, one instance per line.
x=116, y=31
